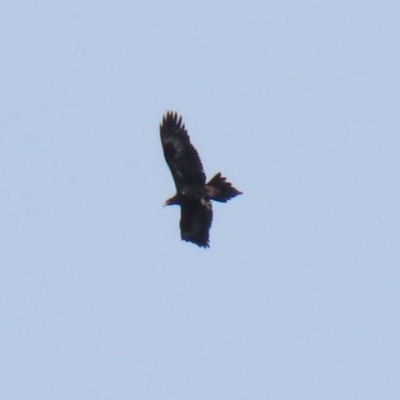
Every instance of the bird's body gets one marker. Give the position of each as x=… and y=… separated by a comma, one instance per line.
x=192, y=193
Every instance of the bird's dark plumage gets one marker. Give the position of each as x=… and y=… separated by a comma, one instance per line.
x=192, y=193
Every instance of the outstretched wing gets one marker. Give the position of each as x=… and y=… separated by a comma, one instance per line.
x=196, y=218
x=181, y=156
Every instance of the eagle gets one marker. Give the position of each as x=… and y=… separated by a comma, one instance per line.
x=193, y=194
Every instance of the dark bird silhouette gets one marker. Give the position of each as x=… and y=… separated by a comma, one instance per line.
x=192, y=193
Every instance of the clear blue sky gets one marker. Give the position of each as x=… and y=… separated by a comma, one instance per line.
x=297, y=103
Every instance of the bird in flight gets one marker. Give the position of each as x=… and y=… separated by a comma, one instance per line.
x=193, y=194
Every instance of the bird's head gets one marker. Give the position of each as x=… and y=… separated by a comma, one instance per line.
x=172, y=201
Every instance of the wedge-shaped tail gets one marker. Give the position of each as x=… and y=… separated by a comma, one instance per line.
x=219, y=189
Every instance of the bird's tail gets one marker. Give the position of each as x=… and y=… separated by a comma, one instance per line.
x=219, y=189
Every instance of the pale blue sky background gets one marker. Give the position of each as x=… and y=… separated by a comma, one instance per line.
x=297, y=103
